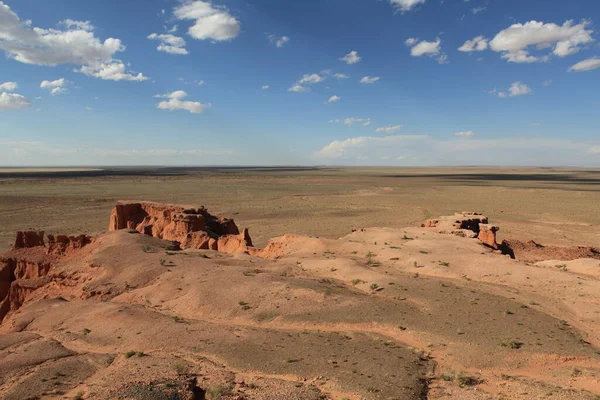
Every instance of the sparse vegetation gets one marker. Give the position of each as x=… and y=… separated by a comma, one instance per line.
x=562, y=267
x=178, y=319
x=163, y=262
x=147, y=249
x=374, y=286
x=86, y=331
x=423, y=252
x=513, y=344
x=357, y=281
x=444, y=264
x=180, y=368
x=130, y=354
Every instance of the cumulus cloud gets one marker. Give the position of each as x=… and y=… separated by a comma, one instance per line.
x=369, y=79
x=211, y=22
x=8, y=86
x=55, y=87
x=586, y=65
x=515, y=42
x=311, y=79
x=76, y=44
x=334, y=99
x=169, y=43
x=298, y=88
x=388, y=130
x=13, y=101
x=465, y=135
x=406, y=5
x=516, y=89
x=175, y=102
x=113, y=71
x=421, y=150
x=423, y=47
x=351, y=58
x=478, y=43
x=82, y=25
x=278, y=41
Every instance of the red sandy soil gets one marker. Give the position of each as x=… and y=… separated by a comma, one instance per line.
x=379, y=314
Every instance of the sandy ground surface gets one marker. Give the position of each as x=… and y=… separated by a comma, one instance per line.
x=554, y=206
x=393, y=312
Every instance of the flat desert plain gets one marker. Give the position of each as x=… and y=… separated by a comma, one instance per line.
x=339, y=294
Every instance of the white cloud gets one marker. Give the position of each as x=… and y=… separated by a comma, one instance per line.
x=55, y=87
x=278, y=41
x=421, y=150
x=8, y=86
x=478, y=43
x=516, y=89
x=514, y=42
x=351, y=58
x=547, y=83
x=311, y=79
x=173, y=29
x=13, y=101
x=586, y=65
x=82, y=25
x=352, y=121
x=477, y=10
x=411, y=41
x=406, y=5
x=114, y=71
x=334, y=99
x=369, y=79
x=424, y=47
x=211, y=22
x=265, y=87
x=169, y=43
x=465, y=135
x=76, y=44
x=388, y=130
x=298, y=88
x=175, y=102
x=338, y=75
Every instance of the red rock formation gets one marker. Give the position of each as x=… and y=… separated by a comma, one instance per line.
x=62, y=244
x=466, y=224
x=191, y=227
x=534, y=252
x=28, y=239
x=18, y=278
x=487, y=235
x=235, y=243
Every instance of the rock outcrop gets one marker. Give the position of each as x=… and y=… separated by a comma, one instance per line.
x=192, y=228
x=62, y=245
x=466, y=224
x=29, y=239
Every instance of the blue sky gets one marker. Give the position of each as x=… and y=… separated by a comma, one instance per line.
x=325, y=82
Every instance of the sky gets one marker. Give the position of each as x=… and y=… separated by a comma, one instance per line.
x=312, y=82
